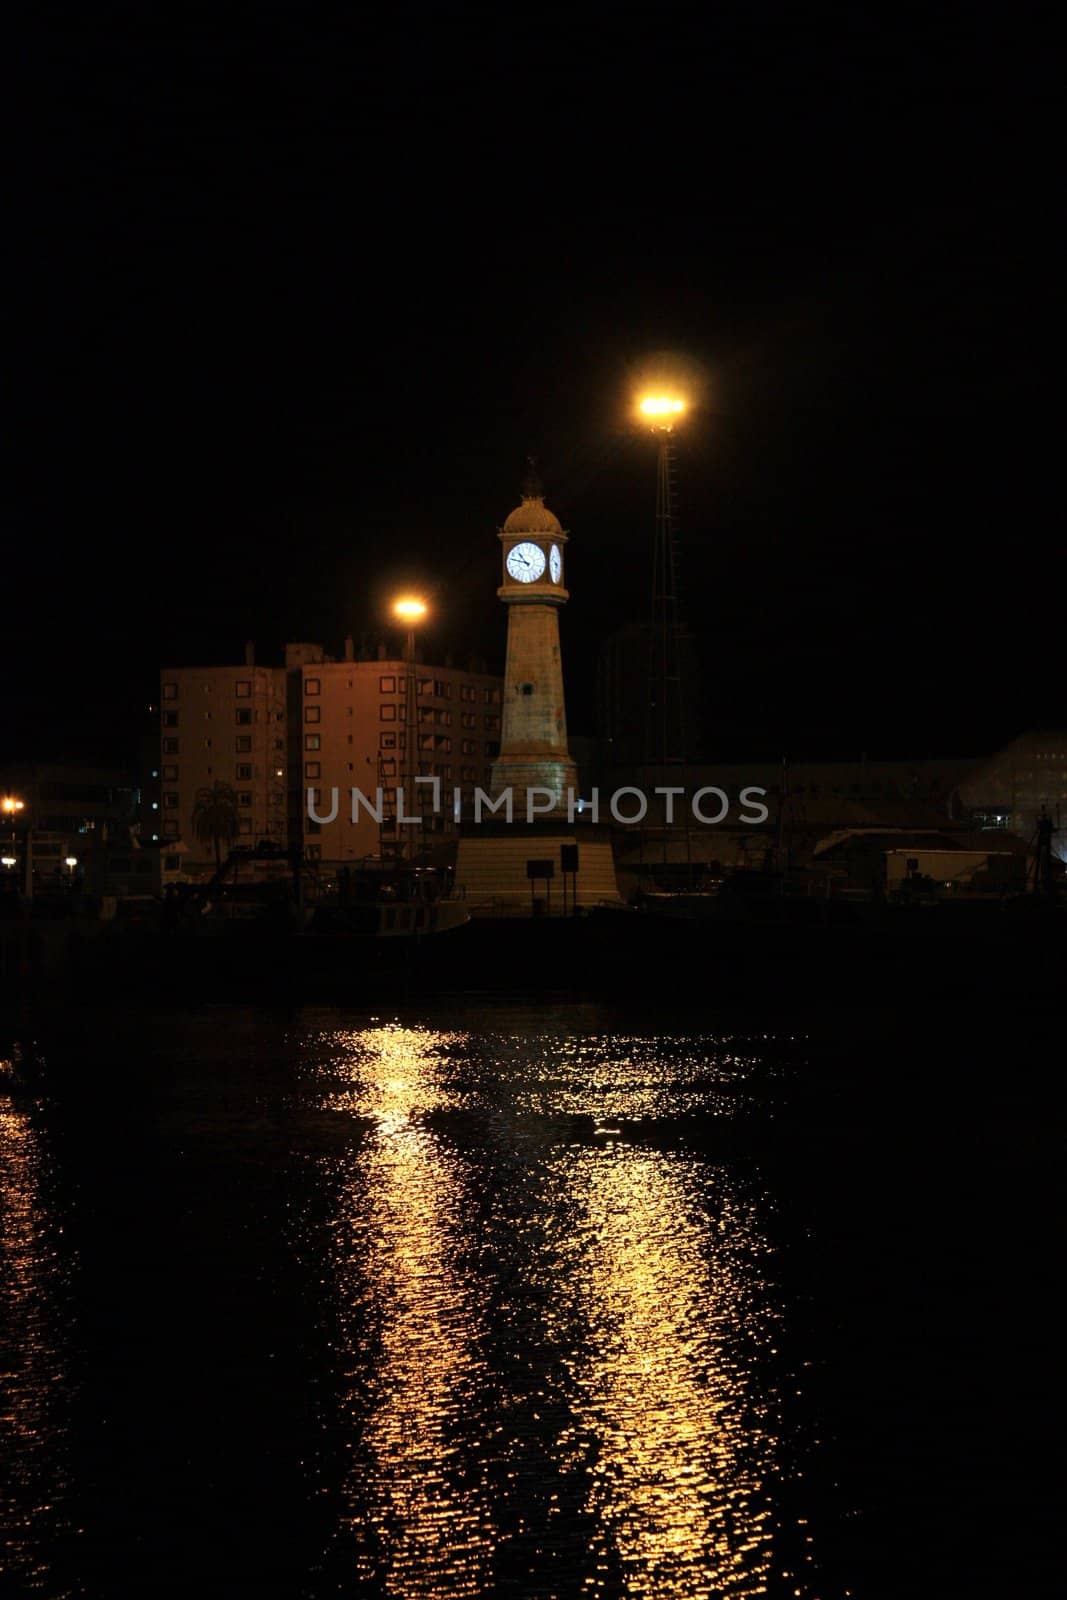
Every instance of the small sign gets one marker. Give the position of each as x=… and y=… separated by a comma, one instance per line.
x=540, y=869
x=568, y=858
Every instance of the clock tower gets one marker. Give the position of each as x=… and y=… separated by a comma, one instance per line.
x=533, y=740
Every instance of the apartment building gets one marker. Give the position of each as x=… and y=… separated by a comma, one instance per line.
x=319, y=723
x=348, y=725
x=222, y=724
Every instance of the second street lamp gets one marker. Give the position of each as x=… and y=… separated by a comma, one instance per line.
x=411, y=611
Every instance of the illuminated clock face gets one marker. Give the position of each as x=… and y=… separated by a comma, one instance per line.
x=526, y=562
x=555, y=564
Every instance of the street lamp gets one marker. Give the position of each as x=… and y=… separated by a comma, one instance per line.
x=410, y=610
x=11, y=806
x=662, y=410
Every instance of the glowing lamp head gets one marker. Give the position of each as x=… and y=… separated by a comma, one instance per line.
x=661, y=410
x=410, y=610
x=11, y=805
x=72, y=862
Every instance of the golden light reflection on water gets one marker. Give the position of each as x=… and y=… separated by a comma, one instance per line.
x=682, y=1446
x=426, y=1526
x=555, y=1339
x=33, y=1359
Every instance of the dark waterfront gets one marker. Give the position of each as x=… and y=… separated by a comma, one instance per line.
x=528, y=1299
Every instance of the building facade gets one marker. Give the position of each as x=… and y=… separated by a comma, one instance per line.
x=281, y=736
x=348, y=730
x=221, y=724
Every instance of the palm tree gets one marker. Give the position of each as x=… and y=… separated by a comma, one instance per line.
x=215, y=817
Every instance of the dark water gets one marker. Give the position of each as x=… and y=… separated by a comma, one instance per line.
x=526, y=1300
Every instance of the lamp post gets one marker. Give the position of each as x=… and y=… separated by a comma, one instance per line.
x=11, y=807
x=662, y=411
x=410, y=610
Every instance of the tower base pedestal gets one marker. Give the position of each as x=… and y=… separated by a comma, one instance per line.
x=492, y=871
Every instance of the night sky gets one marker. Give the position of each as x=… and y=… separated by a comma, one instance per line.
x=297, y=291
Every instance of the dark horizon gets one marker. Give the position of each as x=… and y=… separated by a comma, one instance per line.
x=294, y=306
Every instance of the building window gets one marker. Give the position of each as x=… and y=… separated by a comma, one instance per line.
x=312, y=769
x=170, y=831
x=243, y=718
x=312, y=713
x=244, y=824
x=387, y=686
x=312, y=686
x=387, y=741
x=469, y=747
x=245, y=797
x=243, y=743
x=313, y=852
x=313, y=741
x=492, y=724
x=387, y=713
x=387, y=767
x=170, y=747
x=426, y=686
x=468, y=719
x=170, y=719
x=170, y=774
x=243, y=689
x=170, y=802
x=170, y=691
x=244, y=772
x=172, y=863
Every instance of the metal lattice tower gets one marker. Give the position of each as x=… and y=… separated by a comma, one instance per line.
x=665, y=729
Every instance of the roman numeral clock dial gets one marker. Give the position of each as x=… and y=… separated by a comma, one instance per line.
x=526, y=562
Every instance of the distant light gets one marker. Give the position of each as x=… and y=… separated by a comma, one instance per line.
x=10, y=805
x=155, y=805
x=410, y=608
x=72, y=862
x=155, y=772
x=8, y=861
x=279, y=773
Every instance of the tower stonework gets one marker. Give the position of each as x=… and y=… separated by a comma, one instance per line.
x=533, y=742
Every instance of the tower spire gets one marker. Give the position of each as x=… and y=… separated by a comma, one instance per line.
x=532, y=487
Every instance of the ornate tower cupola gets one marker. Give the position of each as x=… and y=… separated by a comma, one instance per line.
x=533, y=744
